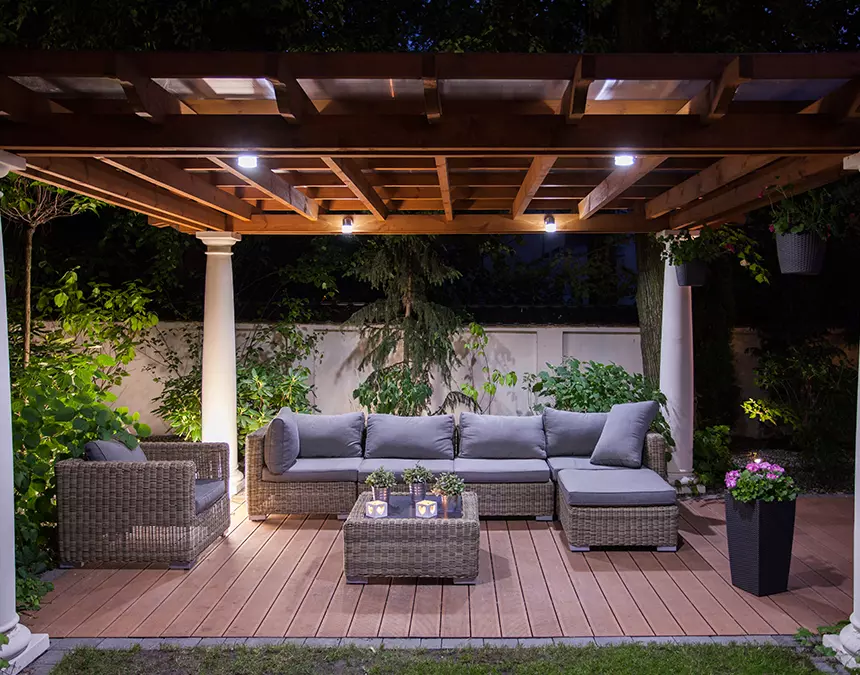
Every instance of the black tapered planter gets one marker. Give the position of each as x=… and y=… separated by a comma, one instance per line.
x=801, y=253
x=693, y=273
x=760, y=536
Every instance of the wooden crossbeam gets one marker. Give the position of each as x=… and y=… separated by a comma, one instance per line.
x=275, y=186
x=713, y=102
x=90, y=173
x=445, y=186
x=616, y=183
x=790, y=172
x=575, y=97
x=147, y=98
x=22, y=104
x=841, y=104
x=162, y=173
x=715, y=176
x=432, y=97
x=354, y=179
x=292, y=101
x=534, y=177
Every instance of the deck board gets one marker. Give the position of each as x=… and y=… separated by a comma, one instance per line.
x=285, y=577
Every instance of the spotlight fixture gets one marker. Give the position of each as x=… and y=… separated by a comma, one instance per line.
x=624, y=160
x=346, y=227
x=549, y=223
x=248, y=161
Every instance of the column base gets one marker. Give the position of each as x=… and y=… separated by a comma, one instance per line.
x=685, y=482
x=846, y=644
x=237, y=482
x=25, y=646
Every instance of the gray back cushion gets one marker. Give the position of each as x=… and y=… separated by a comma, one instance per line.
x=502, y=437
x=281, y=447
x=410, y=437
x=623, y=436
x=572, y=433
x=330, y=435
x=112, y=451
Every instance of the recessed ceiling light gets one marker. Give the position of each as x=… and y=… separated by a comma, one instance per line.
x=549, y=223
x=624, y=160
x=346, y=227
x=248, y=161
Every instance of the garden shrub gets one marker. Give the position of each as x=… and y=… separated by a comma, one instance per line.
x=712, y=456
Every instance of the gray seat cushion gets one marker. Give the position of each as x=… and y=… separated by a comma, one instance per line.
x=624, y=487
x=330, y=435
x=281, y=446
x=623, y=437
x=206, y=493
x=502, y=437
x=318, y=470
x=437, y=466
x=501, y=470
x=112, y=451
x=430, y=437
x=557, y=464
x=572, y=433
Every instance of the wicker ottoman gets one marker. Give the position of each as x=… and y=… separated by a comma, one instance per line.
x=445, y=548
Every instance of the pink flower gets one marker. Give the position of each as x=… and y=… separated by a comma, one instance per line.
x=772, y=476
x=752, y=466
x=776, y=468
x=772, y=228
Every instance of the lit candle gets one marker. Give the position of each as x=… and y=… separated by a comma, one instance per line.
x=376, y=508
x=426, y=508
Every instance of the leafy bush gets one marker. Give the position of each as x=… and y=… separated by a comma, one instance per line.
x=61, y=400
x=476, y=350
x=761, y=481
x=712, y=458
x=270, y=375
x=595, y=387
x=394, y=390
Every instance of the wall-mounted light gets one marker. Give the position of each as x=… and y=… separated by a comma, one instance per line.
x=624, y=160
x=549, y=223
x=346, y=227
x=248, y=161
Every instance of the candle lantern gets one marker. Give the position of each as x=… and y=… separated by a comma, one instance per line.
x=426, y=508
x=376, y=508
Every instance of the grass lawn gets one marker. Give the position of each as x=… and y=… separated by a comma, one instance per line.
x=616, y=660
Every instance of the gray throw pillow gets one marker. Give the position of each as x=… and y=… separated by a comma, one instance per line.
x=430, y=437
x=572, y=433
x=330, y=435
x=112, y=451
x=623, y=436
x=281, y=447
x=502, y=437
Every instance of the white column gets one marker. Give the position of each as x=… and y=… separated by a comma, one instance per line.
x=23, y=647
x=676, y=371
x=219, y=349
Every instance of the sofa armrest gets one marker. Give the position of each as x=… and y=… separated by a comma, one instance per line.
x=255, y=444
x=654, y=456
x=210, y=459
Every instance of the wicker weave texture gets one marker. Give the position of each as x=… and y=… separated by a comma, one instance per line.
x=619, y=525
x=515, y=499
x=445, y=548
x=655, y=454
x=141, y=512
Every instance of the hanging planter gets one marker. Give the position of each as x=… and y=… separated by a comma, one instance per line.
x=800, y=253
x=760, y=508
x=693, y=273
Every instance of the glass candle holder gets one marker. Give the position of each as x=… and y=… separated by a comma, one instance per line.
x=426, y=508
x=376, y=508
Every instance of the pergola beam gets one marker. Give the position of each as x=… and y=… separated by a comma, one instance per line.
x=354, y=179
x=575, y=97
x=292, y=101
x=616, y=183
x=432, y=96
x=841, y=104
x=714, y=177
x=445, y=186
x=274, y=186
x=713, y=102
x=534, y=178
x=21, y=104
x=147, y=98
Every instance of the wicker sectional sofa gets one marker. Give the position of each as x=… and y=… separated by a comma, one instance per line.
x=514, y=465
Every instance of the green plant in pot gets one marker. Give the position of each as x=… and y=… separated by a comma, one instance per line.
x=450, y=487
x=690, y=252
x=760, y=508
x=802, y=224
x=416, y=478
x=381, y=481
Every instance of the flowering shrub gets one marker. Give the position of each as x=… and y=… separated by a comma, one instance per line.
x=761, y=481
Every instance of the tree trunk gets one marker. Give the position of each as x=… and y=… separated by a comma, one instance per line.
x=649, y=304
x=28, y=286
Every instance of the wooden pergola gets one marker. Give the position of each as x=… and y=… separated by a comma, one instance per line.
x=418, y=143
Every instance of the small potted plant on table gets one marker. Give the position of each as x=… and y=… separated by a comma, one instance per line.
x=417, y=478
x=450, y=487
x=381, y=481
x=760, y=508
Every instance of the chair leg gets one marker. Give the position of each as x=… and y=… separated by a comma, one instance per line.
x=181, y=564
x=356, y=580
x=543, y=518
x=667, y=549
x=342, y=516
x=68, y=565
x=580, y=549
x=257, y=519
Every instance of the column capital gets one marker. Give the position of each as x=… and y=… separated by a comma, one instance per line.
x=219, y=242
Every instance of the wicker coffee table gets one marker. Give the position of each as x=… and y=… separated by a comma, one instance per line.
x=405, y=546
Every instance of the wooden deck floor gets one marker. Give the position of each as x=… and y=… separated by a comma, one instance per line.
x=284, y=577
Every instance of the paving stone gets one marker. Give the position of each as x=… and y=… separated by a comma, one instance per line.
x=401, y=643
x=268, y=641
x=574, y=641
x=823, y=665
x=462, y=643
x=431, y=643
x=535, y=642
x=363, y=643
x=729, y=639
x=234, y=642
x=786, y=641
x=292, y=641
x=761, y=639
x=119, y=643
x=693, y=640
x=322, y=642
x=501, y=642
x=50, y=658
x=38, y=669
x=654, y=640
x=65, y=644
x=211, y=642
x=607, y=641
x=174, y=643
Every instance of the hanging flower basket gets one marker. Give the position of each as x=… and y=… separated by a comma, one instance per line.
x=800, y=253
x=693, y=273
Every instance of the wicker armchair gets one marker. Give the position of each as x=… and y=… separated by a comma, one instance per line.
x=141, y=512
